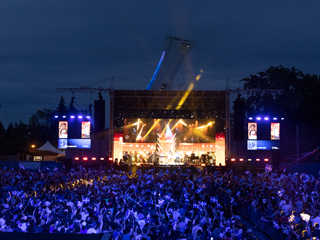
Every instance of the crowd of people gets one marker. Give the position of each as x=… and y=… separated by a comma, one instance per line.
x=155, y=204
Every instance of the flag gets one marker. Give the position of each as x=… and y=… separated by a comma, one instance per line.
x=79, y=204
x=305, y=217
x=281, y=192
x=268, y=168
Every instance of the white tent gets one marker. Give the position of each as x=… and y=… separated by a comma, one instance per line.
x=48, y=147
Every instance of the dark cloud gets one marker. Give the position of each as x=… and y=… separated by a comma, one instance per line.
x=49, y=44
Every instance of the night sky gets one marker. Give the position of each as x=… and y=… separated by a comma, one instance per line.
x=50, y=44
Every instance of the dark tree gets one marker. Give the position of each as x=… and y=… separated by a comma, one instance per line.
x=62, y=107
x=41, y=126
x=3, y=142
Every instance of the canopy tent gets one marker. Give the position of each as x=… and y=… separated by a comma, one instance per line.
x=49, y=147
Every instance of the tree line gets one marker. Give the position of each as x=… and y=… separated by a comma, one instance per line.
x=40, y=128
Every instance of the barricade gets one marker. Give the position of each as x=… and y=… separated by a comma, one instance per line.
x=253, y=215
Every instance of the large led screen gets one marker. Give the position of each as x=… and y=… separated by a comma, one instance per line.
x=74, y=143
x=252, y=130
x=275, y=131
x=74, y=132
x=63, y=129
x=85, y=129
x=263, y=145
x=184, y=130
x=169, y=139
x=263, y=135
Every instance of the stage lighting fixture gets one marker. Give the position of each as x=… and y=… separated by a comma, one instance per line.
x=94, y=158
x=249, y=159
x=266, y=159
x=138, y=164
x=258, y=118
x=275, y=118
x=80, y=117
x=85, y=158
x=56, y=116
x=241, y=159
x=203, y=164
x=88, y=117
x=266, y=118
x=101, y=159
x=282, y=118
x=64, y=116
x=233, y=159
x=110, y=159
x=258, y=160
x=250, y=118
x=71, y=116
x=76, y=158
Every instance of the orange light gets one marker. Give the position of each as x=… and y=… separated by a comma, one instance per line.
x=110, y=158
x=233, y=159
x=85, y=158
x=76, y=158
x=266, y=159
x=138, y=164
x=33, y=146
x=101, y=159
x=203, y=164
x=94, y=158
x=258, y=159
x=241, y=159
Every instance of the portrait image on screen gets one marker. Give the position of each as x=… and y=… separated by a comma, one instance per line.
x=275, y=131
x=252, y=130
x=63, y=129
x=85, y=129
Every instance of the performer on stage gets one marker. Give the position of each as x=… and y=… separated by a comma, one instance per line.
x=177, y=160
x=170, y=156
